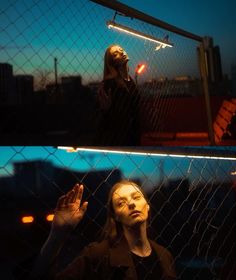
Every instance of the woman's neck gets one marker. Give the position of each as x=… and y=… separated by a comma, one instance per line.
x=137, y=240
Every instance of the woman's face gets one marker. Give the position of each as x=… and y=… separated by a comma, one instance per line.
x=119, y=56
x=130, y=206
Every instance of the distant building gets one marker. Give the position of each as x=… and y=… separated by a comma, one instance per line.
x=72, y=81
x=182, y=78
x=24, y=88
x=179, y=86
x=217, y=75
x=213, y=60
x=39, y=178
x=94, y=86
x=70, y=85
x=6, y=84
x=52, y=94
x=74, y=91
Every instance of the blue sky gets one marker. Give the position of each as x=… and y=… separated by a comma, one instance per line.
x=203, y=17
x=34, y=32
x=146, y=167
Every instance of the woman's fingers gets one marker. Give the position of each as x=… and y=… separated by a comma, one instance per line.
x=72, y=197
x=61, y=202
x=79, y=193
x=83, y=208
x=76, y=193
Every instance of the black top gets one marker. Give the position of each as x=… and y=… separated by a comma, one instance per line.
x=121, y=125
x=148, y=268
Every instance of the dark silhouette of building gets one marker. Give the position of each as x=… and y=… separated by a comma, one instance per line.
x=17, y=89
x=6, y=84
x=38, y=178
x=74, y=91
x=24, y=88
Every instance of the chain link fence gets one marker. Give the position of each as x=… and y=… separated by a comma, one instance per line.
x=191, y=193
x=52, y=59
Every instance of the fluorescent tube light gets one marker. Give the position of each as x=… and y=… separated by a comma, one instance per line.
x=112, y=24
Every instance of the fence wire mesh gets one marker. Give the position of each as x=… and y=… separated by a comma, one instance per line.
x=52, y=53
x=192, y=199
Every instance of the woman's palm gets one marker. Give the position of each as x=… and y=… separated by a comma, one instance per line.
x=69, y=211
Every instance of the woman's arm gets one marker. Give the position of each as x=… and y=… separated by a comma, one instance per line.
x=68, y=213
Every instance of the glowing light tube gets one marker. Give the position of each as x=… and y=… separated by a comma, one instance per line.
x=112, y=24
x=124, y=152
x=140, y=68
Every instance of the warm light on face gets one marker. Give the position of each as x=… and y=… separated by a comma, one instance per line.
x=27, y=219
x=128, y=30
x=126, y=200
x=50, y=217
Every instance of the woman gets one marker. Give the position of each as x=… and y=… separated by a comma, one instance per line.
x=119, y=101
x=125, y=251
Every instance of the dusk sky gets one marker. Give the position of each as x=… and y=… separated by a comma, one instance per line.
x=145, y=167
x=203, y=17
x=34, y=32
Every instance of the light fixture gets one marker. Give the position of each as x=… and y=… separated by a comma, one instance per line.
x=162, y=42
x=68, y=149
x=125, y=152
x=140, y=68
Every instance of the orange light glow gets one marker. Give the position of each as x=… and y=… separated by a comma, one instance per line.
x=27, y=219
x=49, y=217
x=140, y=68
x=68, y=149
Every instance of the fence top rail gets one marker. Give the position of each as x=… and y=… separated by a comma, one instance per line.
x=131, y=12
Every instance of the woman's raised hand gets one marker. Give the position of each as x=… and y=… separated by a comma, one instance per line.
x=69, y=210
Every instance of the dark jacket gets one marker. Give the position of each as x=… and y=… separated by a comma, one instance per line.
x=120, y=123
x=101, y=261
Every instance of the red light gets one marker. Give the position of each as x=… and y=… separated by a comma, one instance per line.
x=140, y=68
